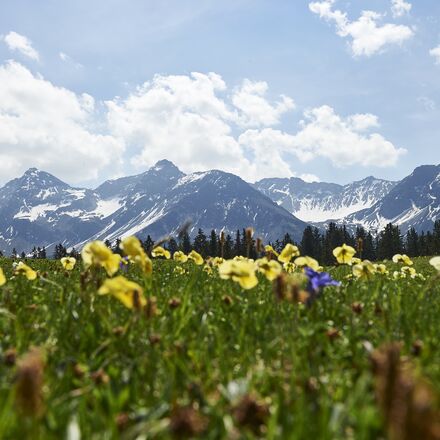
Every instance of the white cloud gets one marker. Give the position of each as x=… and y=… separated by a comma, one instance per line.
x=323, y=133
x=188, y=120
x=192, y=120
x=436, y=54
x=367, y=35
x=69, y=60
x=399, y=8
x=22, y=44
x=256, y=110
x=51, y=128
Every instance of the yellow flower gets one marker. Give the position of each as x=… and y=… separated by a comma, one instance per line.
x=242, y=272
x=364, y=270
x=408, y=271
x=97, y=254
x=159, y=251
x=2, y=277
x=270, y=269
x=180, y=257
x=68, y=263
x=208, y=269
x=289, y=267
x=288, y=253
x=180, y=270
x=404, y=259
x=344, y=254
x=270, y=250
x=381, y=268
x=309, y=262
x=132, y=247
x=128, y=292
x=435, y=262
x=196, y=257
x=216, y=261
x=355, y=260
x=23, y=269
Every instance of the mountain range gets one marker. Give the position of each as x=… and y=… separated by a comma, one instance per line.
x=38, y=209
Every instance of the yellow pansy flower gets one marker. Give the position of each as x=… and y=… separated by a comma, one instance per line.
x=128, y=292
x=408, y=271
x=381, y=268
x=97, y=254
x=216, y=261
x=196, y=257
x=404, y=259
x=132, y=248
x=180, y=257
x=68, y=263
x=289, y=267
x=268, y=249
x=288, y=253
x=242, y=272
x=364, y=270
x=269, y=268
x=344, y=254
x=2, y=277
x=435, y=262
x=208, y=269
x=25, y=270
x=159, y=251
x=179, y=270
x=308, y=262
x=355, y=260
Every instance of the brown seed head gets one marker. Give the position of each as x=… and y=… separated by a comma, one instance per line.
x=251, y=412
x=187, y=422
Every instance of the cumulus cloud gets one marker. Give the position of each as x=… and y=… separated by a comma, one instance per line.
x=400, y=8
x=194, y=120
x=189, y=120
x=51, y=128
x=20, y=43
x=323, y=133
x=256, y=110
x=435, y=53
x=367, y=35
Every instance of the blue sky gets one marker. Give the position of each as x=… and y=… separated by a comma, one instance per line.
x=297, y=89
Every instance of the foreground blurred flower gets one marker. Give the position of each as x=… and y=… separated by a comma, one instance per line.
x=288, y=253
x=307, y=262
x=128, y=292
x=381, y=268
x=68, y=263
x=2, y=277
x=159, y=251
x=196, y=258
x=132, y=247
x=404, y=259
x=240, y=271
x=97, y=254
x=289, y=267
x=29, y=383
x=364, y=270
x=269, y=268
x=344, y=254
x=25, y=270
x=408, y=271
x=180, y=257
x=435, y=262
x=269, y=250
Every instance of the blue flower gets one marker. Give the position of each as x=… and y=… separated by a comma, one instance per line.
x=317, y=281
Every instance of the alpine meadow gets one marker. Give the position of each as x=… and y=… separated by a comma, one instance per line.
x=219, y=220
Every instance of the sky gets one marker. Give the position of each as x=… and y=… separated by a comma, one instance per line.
x=328, y=90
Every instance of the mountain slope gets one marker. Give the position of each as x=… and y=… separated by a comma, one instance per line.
x=413, y=202
x=39, y=209
x=318, y=201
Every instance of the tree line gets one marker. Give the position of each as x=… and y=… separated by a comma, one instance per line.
x=314, y=243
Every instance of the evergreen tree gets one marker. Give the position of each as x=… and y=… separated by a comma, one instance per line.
x=237, y=244
x=228, y=247
x=108, y=243
x=14, y=253
x=117, y=247
x=43, y=254
x=59, y=252
x=185, y=243
x=148, y=244
x=286, y=240
x=390, y=242
x=23, y=255
x=308, y=242
x=412, y=243
x=200, y=243
x=172, y=246
x=34, y=253
x=213, y=244
x=436, y=238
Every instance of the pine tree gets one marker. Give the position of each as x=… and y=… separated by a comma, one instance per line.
x=34, y=253
x=200, y=243
x=308, y=242
x=148, y=244
x=185, y=243
x=390, y=242
x=412, y=243
x=172, y=246
x=14, y=253
x=228, y=247
x=213, y=244
x=108, y=243
x=43, y=254
x=237, y=244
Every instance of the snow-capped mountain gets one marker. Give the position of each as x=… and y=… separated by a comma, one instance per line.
x=318, y=202
x=39, y=209
x=413, y=202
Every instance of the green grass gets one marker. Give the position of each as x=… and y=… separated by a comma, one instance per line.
x=207, y=353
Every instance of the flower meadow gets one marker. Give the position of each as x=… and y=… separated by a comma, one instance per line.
x=143, y=345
